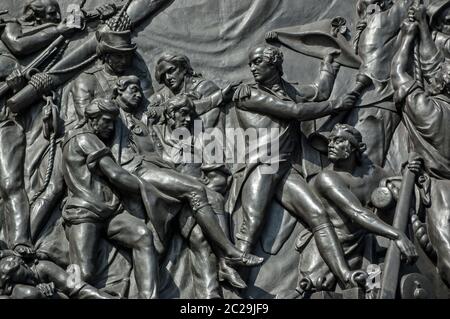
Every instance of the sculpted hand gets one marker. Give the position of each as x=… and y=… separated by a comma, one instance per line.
x=65, y=30
x=415, y=166
x=329, y=58
x=410, y=28
x=47, y=290
x=229, y=90
x=25, y=251
x=347, y=102
x=418, y=13
x=204, y=180
x=107, y=10
x=407, y=248
x=271, y=36
x=15, y=80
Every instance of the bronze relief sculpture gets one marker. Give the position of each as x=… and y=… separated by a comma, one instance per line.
x=148, y=155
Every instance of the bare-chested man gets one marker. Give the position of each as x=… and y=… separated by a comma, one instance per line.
x=345, y=189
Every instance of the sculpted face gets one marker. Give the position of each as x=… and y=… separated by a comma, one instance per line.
x=118, y=63
x=339, y=147
x=181, y=118
x=174, y=77
x=132, y=96
x=12, y=270
x=383, y=4
x=261, y=69
x=52, y=12
x=104, y=126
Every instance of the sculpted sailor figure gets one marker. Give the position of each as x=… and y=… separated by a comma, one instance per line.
x=271, y=103
x=116, y=57
x=94, y=208
x=139, y=149
x=40, y=24
x=375, y=42
x=40, y=33
x=36, y=29
x=434, y=27
x=345, y=189
x=426, y=115
x=40, y=279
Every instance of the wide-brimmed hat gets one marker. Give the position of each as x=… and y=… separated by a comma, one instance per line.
x=116, y=41
x=318, y=39
x=435, y=9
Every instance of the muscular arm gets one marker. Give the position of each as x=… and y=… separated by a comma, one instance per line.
x=140, y=10
x=400, y=63
x=118, y=176
x=261, y=102
x=428, y=49
x=321, y=89
x=333, y=188
x=398, y=12
x=21, y=45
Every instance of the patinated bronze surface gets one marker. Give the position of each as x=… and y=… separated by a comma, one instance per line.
x=224, y=149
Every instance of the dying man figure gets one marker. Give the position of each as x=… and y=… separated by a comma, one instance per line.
x=189, y=156
x=276, y=106
x=426, y=114
x=93, y=208
x=40, y=279
x=140, y=149
x=345, y=189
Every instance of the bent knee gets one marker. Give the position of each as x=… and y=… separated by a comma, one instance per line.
x=143, y=237
x=11, y=186
x=318, y=216
x=197, y=196
x=26, y=292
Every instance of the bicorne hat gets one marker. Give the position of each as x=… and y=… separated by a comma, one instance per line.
x=317, y=39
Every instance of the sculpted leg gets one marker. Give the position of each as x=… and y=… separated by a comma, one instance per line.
x=203, y=266
x=44, y=206
x=83, y=239
x=187, y=188
x=226, y=273
x=257, y=194
x=72, y=287
x=438, y=219
x=299, y=199
x=17, y=210
x=131, y=232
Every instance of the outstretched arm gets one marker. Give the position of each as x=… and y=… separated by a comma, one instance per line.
x=334, y=189
x=428, y=49
x=21, y=44
x=264, y=103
